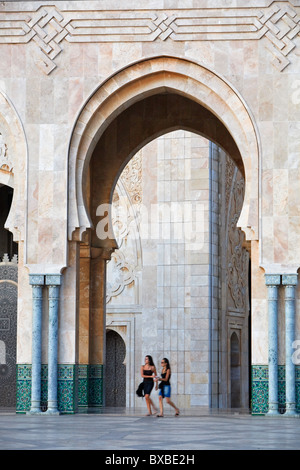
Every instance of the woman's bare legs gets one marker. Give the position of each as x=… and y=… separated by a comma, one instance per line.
x=161, y=406
x=153, y=406
x=150, y=403
x=147, y=398
x=172, y=404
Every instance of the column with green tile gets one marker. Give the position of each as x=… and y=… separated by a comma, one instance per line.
x=53, y=282
x=37, y=283
x=290, y=282
x=272, y=282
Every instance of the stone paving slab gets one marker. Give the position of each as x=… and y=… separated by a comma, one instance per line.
x=134, y=431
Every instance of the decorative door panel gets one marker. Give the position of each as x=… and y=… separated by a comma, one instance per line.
x=115, y=376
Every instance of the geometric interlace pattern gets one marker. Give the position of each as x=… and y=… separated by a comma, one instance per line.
x=48, y=27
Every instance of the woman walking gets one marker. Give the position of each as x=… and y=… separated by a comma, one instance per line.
x=165, y=387
x=148, y=371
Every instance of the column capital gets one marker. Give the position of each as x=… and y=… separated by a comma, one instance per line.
x=104, y=253
x=289, y=279
x=272, y=279
x=36, y=279
x=53, y=279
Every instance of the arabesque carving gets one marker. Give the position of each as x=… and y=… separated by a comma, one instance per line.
x=5, y=163
x=121, y=270
x=237, y=256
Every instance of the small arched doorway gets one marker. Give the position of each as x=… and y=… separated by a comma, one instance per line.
x=235, y=371
x=115, y=371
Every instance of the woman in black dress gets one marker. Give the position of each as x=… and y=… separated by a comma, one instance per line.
x=165, y=387
x=148, y=370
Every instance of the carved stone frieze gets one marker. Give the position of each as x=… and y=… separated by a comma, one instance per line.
x=119, y=275
x=121, y=270
x=49, y=26
x=237, y=256
x=5, y=163
x=132, y=178
x=229, y=172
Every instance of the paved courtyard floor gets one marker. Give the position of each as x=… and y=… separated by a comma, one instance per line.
x=121, y=429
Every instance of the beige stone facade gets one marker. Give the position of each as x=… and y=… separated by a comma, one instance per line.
x=84, y=87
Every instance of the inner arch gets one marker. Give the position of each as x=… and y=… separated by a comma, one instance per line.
x=136, y=126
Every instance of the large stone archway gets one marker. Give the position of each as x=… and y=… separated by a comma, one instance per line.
x=150, y=77
x=131, y=109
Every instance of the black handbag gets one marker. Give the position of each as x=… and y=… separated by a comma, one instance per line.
x=161, y=388
x=140, y=390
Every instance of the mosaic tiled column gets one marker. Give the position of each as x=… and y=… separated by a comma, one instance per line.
x=53, y=282
x=290, y=281
x=37, y=283
x=272, y=282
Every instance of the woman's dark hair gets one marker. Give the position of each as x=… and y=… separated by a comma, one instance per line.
x=150, y=360
x=167, y=363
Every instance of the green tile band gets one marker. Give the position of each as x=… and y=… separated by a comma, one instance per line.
x=83, y=387
x=80, y=387
x=260, y=389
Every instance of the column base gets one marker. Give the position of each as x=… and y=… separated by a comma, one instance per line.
x=273, y=414
x=52, y=408
x=52, y=413
x=291, y=414
x=35, y=408
x=35, y=412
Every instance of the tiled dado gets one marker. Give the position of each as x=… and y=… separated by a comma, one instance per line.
x=90, y=387
x=80, y=387
x=260, y=389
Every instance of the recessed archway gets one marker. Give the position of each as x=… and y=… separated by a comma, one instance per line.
x=231, y=127
x=13, y=202
x=143, y=102
x=131, y=130
x=235, y=371
x=8, y=304
x=115, y=375
x=13, y=164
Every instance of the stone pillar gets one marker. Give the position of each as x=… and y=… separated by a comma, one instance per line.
x=272, y=282
x=37, y=283
x=84, y=304
x=290, y=281
x=99, y=258
x=53, y=282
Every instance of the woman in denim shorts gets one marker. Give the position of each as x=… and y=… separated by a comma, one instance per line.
x=165, y=387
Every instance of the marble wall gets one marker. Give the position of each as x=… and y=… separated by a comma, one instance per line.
x=182, y=288
x=169, y=262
